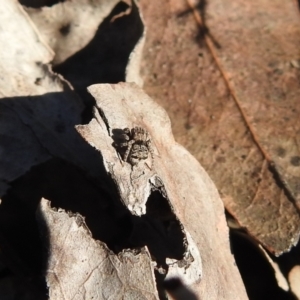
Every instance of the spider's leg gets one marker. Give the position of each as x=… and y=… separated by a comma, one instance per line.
x=151, y=150
x=130, y=143
x=120, y=158
x=139, y=133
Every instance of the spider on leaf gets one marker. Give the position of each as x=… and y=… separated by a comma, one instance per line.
x=138, y=143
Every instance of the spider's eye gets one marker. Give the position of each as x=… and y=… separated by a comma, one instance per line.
x=144, y=148
x=135, y=147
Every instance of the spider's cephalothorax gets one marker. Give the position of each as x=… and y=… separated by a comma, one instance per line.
x=138, y=145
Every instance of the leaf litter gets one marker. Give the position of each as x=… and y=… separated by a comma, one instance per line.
x=252, y=191
x=46, y=110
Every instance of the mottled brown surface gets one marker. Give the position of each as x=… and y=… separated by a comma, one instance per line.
x=262, y=59
x=181, y=74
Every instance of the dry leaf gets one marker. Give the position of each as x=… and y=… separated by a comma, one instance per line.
x=185, y=78
x=264, y=72
x=69, y=26
x=294, y=278
x=23, y=73
x=39, y=110
x=173, y=178
x=81, y=268
x=108, y=53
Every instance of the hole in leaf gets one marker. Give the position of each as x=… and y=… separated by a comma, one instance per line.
x=159, y=230
x=65, y=29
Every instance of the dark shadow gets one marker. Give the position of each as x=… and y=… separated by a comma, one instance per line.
x=159, y=230
x=257, y=274
x=21, y=252
x=203, y=28
x=176, y=288
x=120, y=139
x=39, y=3
x=105, y=58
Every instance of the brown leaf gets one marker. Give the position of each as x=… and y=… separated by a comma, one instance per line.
x=264, y=77
x=190, y=82
x=81, y=268
x=172, y=175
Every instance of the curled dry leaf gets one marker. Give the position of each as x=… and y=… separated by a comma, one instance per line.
x=81, y=268
x=38, y=108
x=168, y=180
x=69, y=26
x=22, y=73
x=101, y=37
x=187, y=80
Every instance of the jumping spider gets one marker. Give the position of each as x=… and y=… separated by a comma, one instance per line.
x=138, y=143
